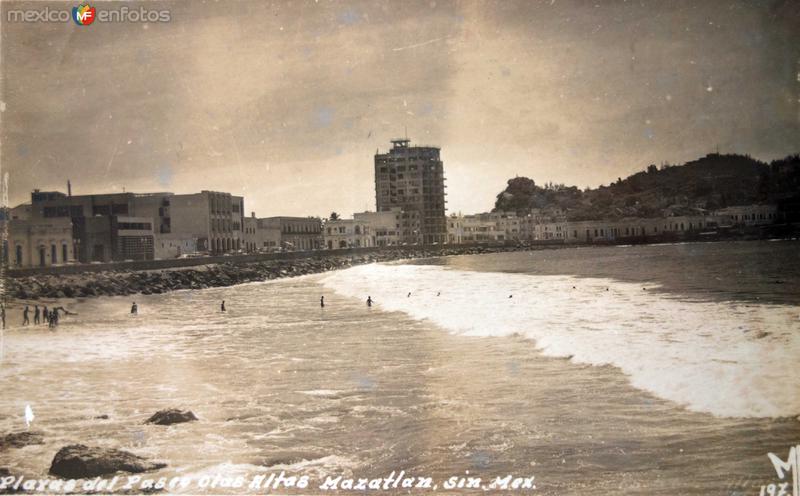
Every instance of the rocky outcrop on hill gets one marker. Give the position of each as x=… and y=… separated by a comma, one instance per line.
x=126, y=282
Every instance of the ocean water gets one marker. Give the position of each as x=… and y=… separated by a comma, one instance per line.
x=665, y=369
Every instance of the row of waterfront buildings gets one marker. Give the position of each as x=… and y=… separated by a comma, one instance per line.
x=59, y=228
x=552, y=226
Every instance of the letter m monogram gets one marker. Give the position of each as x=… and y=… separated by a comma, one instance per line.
x=792, y=464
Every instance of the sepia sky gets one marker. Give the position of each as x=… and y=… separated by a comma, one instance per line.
x=286, y=103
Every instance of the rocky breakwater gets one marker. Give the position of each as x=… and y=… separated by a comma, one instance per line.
x=126, y=282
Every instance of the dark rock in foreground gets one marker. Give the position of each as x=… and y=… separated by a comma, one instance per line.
x=4, y=472
x=171, y=416
x=79, y=462
x=20, y=439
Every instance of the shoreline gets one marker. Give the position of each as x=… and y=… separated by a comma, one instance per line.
x=91, y=280
x=122, y=282
x=83, y=281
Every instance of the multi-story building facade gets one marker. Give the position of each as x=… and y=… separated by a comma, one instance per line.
x=260, y=235
x=541, y=224
x=595, y=231
x=292, y=233
x=545, y=231
x=249, y=237
x=385, y=226
x=412, y=178
x=747, y=215
x=105, y=227
x=268, y=235
x=348, y=233
x=107, y=238
x=455, y=229
x=212, y=218
x=208, y=221
x=490, y=227
x=38, y=243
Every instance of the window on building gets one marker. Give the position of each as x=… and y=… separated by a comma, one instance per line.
x=119, y=209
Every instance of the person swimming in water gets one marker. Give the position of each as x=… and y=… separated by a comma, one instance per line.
x=369, y=301
x=134, y=309
x=222, y=307
x=322, y=302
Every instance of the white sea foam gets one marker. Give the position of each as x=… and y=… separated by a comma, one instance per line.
x=733, y=359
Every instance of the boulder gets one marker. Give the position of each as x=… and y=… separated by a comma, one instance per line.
x=4, y=472
x=20, y=439
x=77, y=461
x=171, y=416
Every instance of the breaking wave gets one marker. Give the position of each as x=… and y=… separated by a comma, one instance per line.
x=730, y=359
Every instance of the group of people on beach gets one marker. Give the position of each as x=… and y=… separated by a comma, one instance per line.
x=40, y=317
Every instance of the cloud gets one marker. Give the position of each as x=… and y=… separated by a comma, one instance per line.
x=567, y=92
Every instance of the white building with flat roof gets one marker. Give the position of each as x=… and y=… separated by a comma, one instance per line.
x=747, y=215
x=384, y=226
x=348, y=233
x=39, y=242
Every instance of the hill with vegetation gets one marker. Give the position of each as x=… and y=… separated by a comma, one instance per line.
x=712, y=182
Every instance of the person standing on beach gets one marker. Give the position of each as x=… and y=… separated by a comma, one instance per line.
x=223, y=306
x=3, y=315
x=45, y=315
x=134, y=309
x=54, y=318
x=25, y=320
x=36, y=315
x=369, y=301
x=322, y=302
